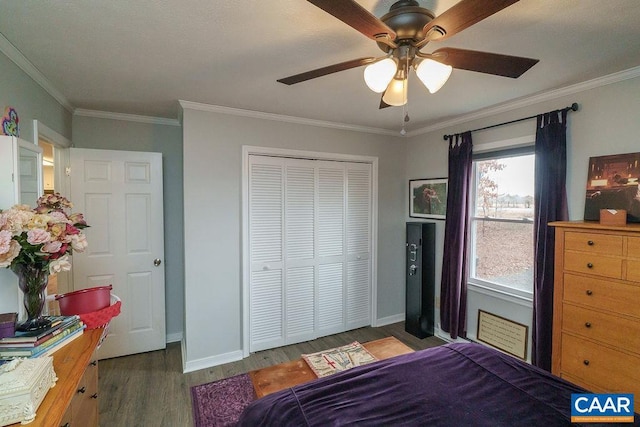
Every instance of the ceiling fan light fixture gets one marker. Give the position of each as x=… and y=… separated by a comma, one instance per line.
x=378, y=75
x=396, y=94
x=433, y=74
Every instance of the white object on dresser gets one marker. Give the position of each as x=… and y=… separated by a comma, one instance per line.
x=23, y=385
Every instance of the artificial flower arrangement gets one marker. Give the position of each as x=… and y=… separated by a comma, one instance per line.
x=35, y=243
x=42, y=237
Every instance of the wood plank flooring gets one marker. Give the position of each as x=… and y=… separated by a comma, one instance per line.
x=149, y=389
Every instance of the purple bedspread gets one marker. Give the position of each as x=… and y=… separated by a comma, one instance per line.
x=450, y=385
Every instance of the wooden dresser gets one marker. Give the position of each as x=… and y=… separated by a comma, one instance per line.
x=596, y=318
x=74, y=399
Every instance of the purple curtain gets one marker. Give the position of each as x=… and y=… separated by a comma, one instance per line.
x=550, y=203
x=453, y=287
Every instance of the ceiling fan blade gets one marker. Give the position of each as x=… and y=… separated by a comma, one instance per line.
x=354, y=15
x=326, y=70
x=484, y=62
x=463, y=15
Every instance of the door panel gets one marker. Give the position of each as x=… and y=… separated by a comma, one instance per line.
x=120, y=193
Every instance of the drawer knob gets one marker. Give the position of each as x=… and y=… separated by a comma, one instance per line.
x=82, y=390
x=66, y=425
x=589, y=292
x=94, y=396
x=589, y=265
x=588, y=324
x=590, y=243
x=586, y=362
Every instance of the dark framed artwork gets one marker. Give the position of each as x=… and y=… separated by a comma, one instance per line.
x=428, y=198
x=613, y=183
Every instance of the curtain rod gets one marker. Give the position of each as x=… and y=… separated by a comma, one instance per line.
x=573, y=107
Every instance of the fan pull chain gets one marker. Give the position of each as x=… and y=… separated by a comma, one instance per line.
x=405, y=112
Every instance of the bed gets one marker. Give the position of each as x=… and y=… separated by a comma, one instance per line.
x=450, y=385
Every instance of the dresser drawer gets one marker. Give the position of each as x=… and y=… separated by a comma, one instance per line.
x=593, y=264
x=617, y=331
x=634, y=247
x=602, y=294
x=633, y=269
x=604, y=244
x=612, y=370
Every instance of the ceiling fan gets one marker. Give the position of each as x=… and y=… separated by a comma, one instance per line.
x=402, y=33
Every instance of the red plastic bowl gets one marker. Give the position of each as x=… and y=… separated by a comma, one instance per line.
x=84, y=300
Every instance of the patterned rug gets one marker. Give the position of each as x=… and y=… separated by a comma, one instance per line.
x=327, y=362
x=220, y=403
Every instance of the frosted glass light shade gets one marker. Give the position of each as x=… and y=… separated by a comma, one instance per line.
x=378, y=75
x=396, y=93
x=433, y=74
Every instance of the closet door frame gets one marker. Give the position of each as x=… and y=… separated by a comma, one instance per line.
x=307, y=155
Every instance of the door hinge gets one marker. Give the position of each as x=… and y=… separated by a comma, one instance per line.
x=67, y=171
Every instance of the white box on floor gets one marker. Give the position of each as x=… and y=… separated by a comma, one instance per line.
x=23, y=385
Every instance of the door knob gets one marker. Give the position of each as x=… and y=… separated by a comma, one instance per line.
x=157, y=262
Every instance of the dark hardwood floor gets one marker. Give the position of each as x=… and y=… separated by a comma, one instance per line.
x=149, y=389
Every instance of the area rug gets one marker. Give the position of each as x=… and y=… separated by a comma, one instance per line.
x=327, y=362
x=220, y=403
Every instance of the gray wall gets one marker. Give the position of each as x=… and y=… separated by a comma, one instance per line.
x=212, y=202
x=90, y=132
x=31, y=102
x=607, y=123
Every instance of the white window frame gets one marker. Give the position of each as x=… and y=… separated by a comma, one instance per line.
x=500, y=149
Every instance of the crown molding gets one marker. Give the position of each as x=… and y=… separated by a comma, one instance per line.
x=21, y=61
x=282, y=118
x=126, y=117
x=531, y=100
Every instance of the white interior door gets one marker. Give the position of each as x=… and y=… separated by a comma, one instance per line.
x=120, y=194
x=30, y=169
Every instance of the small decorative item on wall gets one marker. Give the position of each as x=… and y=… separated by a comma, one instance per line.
x=613, y=182
x=428, y=198
x=10, y=122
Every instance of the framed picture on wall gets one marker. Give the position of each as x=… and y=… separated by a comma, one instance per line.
x=613, y=182
x=428, y=198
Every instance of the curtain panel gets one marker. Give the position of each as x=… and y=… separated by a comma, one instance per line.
x=453, y=288
x=550, y=204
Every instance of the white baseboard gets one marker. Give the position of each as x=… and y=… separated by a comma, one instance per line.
x=175, y=337
x=389, y=320
x=445, y=336
x=208, y=362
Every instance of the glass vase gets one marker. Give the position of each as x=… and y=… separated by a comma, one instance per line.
x=32, y=281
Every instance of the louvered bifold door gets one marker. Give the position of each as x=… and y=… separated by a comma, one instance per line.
x=266, y=296
x=309, y=249
x=358, y=239
x=331, y=248
x=299, y=220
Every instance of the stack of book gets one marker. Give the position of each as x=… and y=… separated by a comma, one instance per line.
x=44, y=342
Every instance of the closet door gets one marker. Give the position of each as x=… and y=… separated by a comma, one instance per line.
x=266, y=299
x=358, y=245
x=299, y=278
x=331, y=244
x=309, y=249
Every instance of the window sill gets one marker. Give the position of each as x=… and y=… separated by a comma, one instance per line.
x=501, y=291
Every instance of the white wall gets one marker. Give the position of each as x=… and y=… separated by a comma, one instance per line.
x=212, y=212
x=607, y=123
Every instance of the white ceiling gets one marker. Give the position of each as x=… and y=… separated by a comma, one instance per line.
x=142, y=56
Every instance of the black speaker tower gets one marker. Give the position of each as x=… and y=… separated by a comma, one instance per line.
x=420, y=272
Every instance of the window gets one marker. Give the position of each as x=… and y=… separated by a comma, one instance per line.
x=502, y=221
